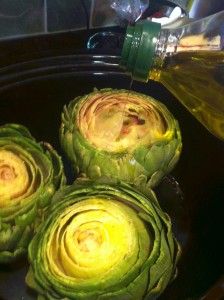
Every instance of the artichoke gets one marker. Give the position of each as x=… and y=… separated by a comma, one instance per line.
x=120, y=134
x=102, y=241
x=30, y=173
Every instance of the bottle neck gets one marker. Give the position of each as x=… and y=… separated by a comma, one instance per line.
x=173, y=42
x=166, y=45
x=146, y=46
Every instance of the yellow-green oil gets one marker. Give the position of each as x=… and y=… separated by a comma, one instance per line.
x=197, y=80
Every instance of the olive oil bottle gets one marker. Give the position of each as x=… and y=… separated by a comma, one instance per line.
x=188, y=61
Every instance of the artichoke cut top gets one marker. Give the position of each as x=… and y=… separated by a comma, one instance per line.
x=116, y=122
x=14, y=177
x=92, y=238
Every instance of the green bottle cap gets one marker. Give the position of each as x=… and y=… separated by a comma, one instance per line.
x=139, y=49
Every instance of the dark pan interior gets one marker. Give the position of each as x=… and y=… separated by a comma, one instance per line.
x=36, y=97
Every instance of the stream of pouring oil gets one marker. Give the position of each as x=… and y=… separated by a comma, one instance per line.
x=129, y=90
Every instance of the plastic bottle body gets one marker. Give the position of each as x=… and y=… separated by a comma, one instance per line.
x=196, y=82
x=189, y=62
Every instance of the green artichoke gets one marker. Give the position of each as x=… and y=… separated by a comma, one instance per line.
x=120, y=134
x=103, y=241
x=30, y=173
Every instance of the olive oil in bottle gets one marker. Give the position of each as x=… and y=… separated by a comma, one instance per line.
x=197, y=80
x=188, y=61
